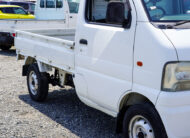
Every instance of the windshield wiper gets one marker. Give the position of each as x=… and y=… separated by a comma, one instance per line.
x=169, y=26
x=181, y=22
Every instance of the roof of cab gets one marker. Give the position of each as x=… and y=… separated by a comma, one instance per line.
x=3, y=6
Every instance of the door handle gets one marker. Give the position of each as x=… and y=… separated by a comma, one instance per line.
x=83, y=41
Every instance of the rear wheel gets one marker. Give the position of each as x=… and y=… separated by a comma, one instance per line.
x=5, y=47
x=37, y=83
x=143, y=121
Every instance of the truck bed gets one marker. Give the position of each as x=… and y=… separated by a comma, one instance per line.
x=65, y=34
x=54, y=47
x=10, y=25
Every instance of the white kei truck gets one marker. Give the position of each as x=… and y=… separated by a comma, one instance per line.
x=127, y=58
x=49, y=14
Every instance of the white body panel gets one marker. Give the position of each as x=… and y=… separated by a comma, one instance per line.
x=180, y=39
x=174, y=108
x=106, y=68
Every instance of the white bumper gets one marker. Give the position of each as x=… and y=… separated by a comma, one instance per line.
x=174, y=109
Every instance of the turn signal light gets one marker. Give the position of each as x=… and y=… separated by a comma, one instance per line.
x=139, y=63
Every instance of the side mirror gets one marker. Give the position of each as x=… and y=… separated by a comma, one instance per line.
x=116, y=14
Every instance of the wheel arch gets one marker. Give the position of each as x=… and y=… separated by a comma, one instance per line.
x=128, y=100
x=133, y=98
x=28, y=61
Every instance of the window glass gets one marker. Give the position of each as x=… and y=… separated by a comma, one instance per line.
x=42, y=3
x=19, y=11
x=107, y=11
x=7, y=10
x=59, y=3
x=50, y=3
x=168, y=10
x=32, y=7
x=73, y=6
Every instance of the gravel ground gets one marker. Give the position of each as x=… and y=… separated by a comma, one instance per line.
x=61, y=115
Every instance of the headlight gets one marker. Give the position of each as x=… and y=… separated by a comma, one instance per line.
x=176, y=77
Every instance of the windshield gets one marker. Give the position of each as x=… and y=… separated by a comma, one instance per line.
x=167, y=10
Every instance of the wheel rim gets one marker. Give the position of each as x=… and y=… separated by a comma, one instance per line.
x=33, y=83
x=140, y=127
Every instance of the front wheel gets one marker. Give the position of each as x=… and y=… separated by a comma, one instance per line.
x=37, y=83
x=143, y=121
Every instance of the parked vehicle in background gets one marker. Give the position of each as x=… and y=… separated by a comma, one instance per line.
x=73, y=6
x=48, y=15
x=29, y=6
x=127, y=58
x=14, y=12
x=11, y=12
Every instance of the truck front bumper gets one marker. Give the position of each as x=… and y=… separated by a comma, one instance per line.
x=174, y=109
x=6, y=39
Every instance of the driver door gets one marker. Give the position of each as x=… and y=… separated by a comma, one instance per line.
x=104, y=54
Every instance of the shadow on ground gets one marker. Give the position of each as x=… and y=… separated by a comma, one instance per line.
x=11, y=52
x=65, y=108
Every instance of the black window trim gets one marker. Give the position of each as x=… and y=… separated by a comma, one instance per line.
x=103, y=24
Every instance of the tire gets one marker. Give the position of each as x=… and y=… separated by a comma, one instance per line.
x=37, y=83
x=5, y=47
x=145, y=121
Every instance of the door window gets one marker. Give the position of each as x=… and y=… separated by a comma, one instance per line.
x=59, y=4
x=13, y=10
x=50, y=4
x=73, y=6
x=7, y=10
x=107, y=11
x=18, y=10
x=42, y=3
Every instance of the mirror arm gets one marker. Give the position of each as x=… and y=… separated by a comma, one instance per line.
x=127, y=23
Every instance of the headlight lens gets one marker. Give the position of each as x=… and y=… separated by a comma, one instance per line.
x=176, y=77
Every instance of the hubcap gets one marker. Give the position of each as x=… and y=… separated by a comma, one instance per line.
x=33, y=82
x=140, y=127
